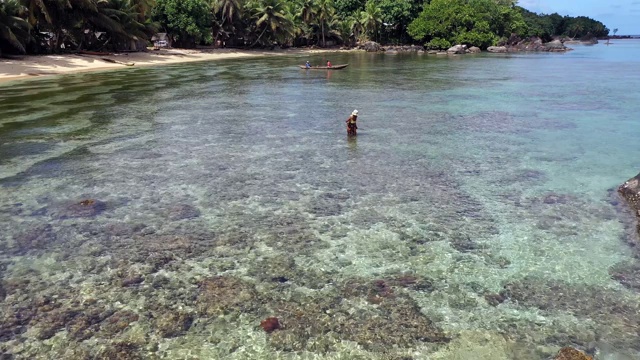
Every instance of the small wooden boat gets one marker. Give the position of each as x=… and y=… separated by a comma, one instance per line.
x=97, y=53
x=117, y=62
x=334, y=67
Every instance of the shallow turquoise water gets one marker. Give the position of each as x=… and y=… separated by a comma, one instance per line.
x=475, y=203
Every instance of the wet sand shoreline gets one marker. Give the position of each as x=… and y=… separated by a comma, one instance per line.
x=50, y=65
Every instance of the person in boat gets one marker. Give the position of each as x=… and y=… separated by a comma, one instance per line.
x=307, y=64
x=328, y=63
x=351, y=123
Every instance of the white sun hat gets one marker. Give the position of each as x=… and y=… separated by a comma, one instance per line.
x=355, y=113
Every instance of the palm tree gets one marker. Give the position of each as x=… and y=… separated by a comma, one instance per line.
x=226, y=9
x=308, y=10
x=371, y=18
x=13, y=29
x=270, y=14
x=577, y=28
x=143, y=8
x=357, y=29
x=325, y=13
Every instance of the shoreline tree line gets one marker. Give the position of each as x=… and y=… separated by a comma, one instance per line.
x=54, y=26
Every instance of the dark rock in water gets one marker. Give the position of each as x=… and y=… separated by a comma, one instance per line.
x=220, y=295
x=394, y=325
x=553, y=198
x=630, y=191
x=413, y=282
x=36, y=238
x=87, y=208
x=494, y=299
x=524, y=176
x=172, y=323
x=121, y=351
x=182, y=212
x=270, y=324
x=118, y=322
x=132, y=280
x=616, y=314
x=627, y=274
x=463, y=243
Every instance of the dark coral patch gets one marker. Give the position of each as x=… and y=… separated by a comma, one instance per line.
x=87, y=208
x=36, y=238
x=612, y=311
x=627, y=274
x=270, y=324
x=226, y=294
x=183, y=212
x=569, y=353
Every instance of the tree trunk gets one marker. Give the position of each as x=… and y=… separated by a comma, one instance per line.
x=58, y=40
x=259, y=37
x=215, y=40
x=324, y=43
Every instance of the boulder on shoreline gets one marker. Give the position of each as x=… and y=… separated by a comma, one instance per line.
x=536, y=44
x=474, y=50
x=372, y=46
x=458, y=49
x=497, y=49
x=630, y=191
x=403, y=48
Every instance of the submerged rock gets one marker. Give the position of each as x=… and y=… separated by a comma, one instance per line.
x=270, y=324
x=569, y=353
x=36, y=238
x=183, y=212
x=627, y=274
x=173, y=323
x=616, y=315
x=87, y=208
x=220, y=295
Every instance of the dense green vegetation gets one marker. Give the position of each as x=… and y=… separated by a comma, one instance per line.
x=40, y=26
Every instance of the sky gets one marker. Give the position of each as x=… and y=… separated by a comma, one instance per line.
x=621, y=14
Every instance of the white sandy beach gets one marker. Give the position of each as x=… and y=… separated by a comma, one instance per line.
x=35, y=66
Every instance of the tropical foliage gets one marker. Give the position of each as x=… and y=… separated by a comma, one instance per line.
x=38, y=26
x=547, y=26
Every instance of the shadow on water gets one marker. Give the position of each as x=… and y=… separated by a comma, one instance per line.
x=352, y=144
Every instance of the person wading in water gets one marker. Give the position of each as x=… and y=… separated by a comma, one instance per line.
x=351, y=123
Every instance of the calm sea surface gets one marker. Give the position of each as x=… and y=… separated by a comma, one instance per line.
x=166, y=213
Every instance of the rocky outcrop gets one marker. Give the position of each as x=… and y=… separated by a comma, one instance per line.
x=371, y=46
x=555, y=45
x=403, y=48
x=474, y=50
x=630, y=191
x=536, y=44
x=458, y=49
x=497, y=49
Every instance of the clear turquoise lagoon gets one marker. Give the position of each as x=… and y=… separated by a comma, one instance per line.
x=164, y=213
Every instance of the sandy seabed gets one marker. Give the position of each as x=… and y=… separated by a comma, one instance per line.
x=36, y=66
